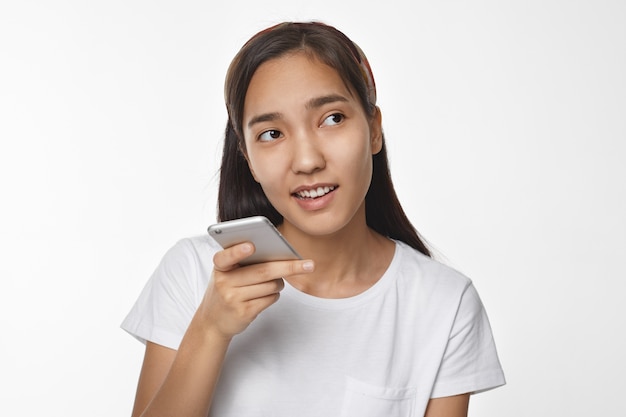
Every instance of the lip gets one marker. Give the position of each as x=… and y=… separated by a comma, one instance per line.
x=313, y=187
x=318, y=203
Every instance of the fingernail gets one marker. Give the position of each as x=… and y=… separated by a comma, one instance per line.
x=247, y=248
x=308, y=265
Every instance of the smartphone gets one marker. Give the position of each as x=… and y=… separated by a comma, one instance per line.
x=270, y=245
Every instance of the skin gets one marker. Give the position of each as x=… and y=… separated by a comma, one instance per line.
x=318, y=134
x=303, y=128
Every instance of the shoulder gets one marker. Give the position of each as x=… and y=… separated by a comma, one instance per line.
x=171, y=296
x=199, y=245
x=189, y=260
x=429, y=274
x=435, y=291
x=193, y=249
x=441, y=294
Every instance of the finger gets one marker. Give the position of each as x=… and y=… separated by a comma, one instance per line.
x=229, y=258
x=267, y=271
x=257, y=305
x=262, y=290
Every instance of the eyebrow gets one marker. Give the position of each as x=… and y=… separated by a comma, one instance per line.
x=313, y=103
x=266, y=117
x=317, y=102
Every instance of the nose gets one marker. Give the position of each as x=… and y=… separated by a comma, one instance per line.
x=307, y=155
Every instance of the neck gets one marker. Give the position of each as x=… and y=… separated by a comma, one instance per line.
x=347, y=262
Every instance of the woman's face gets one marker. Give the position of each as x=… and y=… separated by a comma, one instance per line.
x=309, y=143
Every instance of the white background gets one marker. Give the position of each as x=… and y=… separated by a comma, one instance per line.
x=506, y=124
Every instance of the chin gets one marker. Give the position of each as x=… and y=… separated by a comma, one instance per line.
x=318, y=224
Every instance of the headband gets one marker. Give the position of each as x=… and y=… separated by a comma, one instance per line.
x=366, y=73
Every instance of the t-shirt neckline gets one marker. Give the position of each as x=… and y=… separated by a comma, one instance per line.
x=378, y=288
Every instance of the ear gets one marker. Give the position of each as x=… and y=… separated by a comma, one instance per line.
x=245, y=155
x=376, y=131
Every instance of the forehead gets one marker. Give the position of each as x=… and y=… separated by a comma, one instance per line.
x=291, y=77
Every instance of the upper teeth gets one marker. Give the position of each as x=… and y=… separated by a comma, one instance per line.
x=316, y=192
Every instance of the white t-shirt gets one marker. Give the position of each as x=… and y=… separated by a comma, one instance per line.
x=420, y=332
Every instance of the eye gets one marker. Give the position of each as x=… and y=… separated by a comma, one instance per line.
x=333, y=119
x=270, y=135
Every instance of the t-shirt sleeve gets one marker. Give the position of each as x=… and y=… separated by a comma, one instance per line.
x=168, y=301
x=470, y=363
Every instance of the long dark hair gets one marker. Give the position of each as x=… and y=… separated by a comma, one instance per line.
x=239, y=194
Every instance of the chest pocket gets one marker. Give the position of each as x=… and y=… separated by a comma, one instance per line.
x=365, y=400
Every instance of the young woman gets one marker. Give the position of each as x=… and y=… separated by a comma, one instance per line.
x=367, y=324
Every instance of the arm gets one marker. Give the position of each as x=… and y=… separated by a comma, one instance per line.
x=157, y=361
x=182, y=382
x=455, y=406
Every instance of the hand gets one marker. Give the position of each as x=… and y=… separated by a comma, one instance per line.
x=236, y=295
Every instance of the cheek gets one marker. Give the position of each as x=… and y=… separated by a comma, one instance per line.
x=265, y=170
x=271, y=180
x=358, y=152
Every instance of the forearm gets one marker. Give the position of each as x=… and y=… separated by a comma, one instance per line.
x=181, y=383
x=188, y=388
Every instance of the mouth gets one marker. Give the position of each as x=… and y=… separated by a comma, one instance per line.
x=316, y=192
